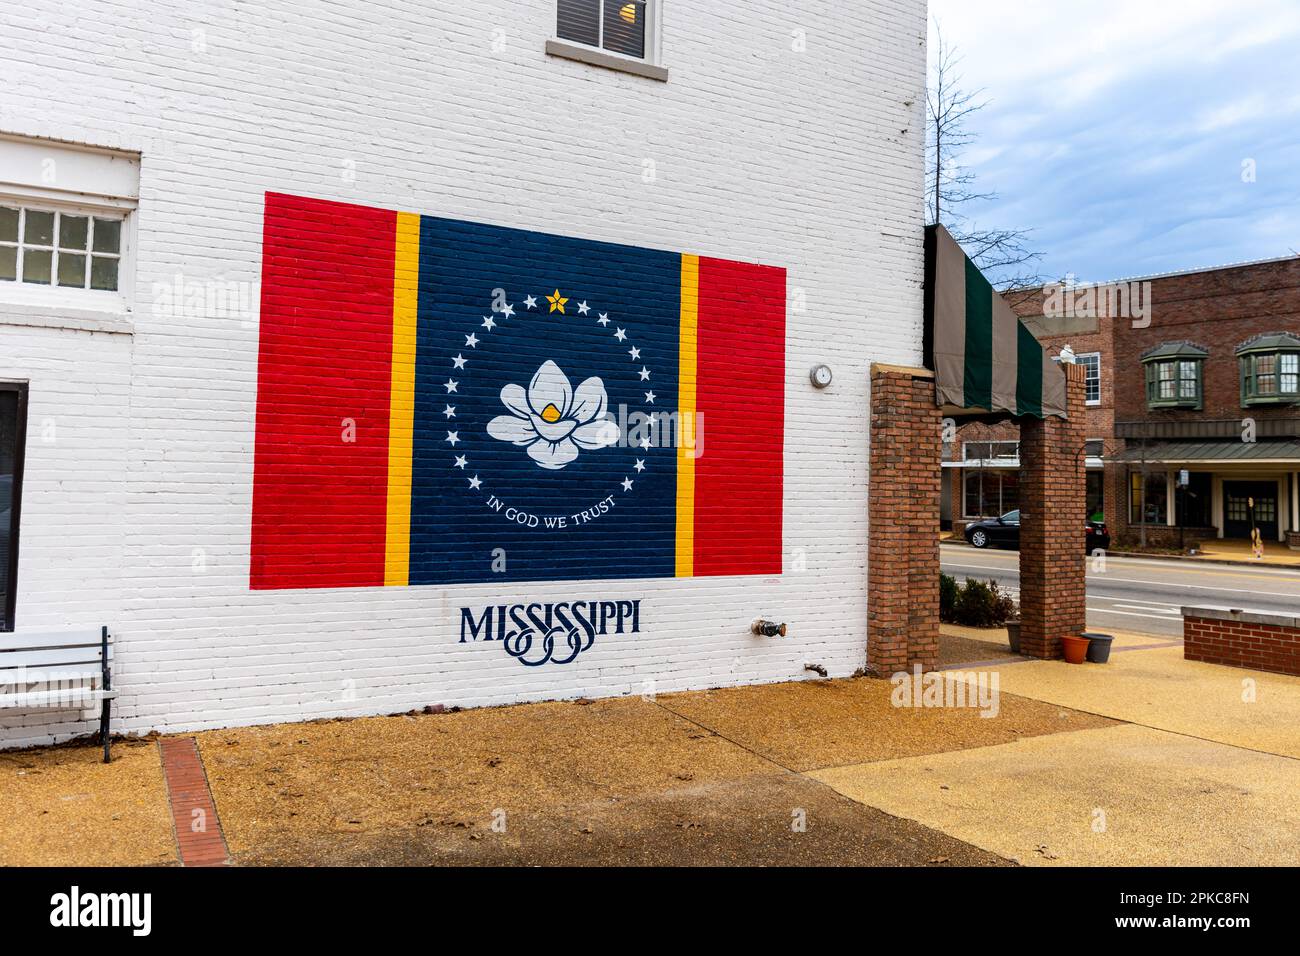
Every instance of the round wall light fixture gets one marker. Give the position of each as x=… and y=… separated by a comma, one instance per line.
x=820, y=376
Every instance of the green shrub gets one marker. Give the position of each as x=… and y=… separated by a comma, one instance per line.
x=981, y=604
x=947, y=597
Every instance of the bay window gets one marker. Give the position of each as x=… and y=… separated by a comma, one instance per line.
x=1270, y=369
x=1174, y=375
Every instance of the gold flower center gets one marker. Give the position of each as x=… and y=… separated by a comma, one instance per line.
x=550, y=414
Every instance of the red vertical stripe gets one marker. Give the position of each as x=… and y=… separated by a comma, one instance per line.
x=320, y=483
x=741, y=402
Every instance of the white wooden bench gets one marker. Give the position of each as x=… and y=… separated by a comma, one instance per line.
x=70, y=669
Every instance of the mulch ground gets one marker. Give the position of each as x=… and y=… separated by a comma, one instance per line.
x=702, y=778
x=708, y=777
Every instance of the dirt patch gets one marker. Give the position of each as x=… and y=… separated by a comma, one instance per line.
x=813, y=724
x=63, y=806
x=955, y=649
x=454, y=770
x=766, y=820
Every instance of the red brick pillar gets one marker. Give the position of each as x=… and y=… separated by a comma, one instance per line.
x=903, y=512
x=1053, y=504
x=1117, y=496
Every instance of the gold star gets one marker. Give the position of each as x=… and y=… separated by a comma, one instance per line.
x=557, y=302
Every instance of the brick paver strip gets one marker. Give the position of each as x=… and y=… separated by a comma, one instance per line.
x=187, y=788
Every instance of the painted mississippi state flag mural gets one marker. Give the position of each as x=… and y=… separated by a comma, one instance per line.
x=447, y=402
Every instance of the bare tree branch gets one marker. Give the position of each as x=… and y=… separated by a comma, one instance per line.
x=950, y=187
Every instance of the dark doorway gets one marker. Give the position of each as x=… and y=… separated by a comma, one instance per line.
x=1196, y=500
x=1238, y=514
x=13, y=440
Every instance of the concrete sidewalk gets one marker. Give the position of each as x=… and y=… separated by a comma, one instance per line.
x=1146, y=760
x=1204, y=771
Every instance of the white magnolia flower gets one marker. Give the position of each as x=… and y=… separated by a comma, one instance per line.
x=552, y=420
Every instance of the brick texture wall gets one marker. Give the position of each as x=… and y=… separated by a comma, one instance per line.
x=903, y=558
x=1247, y=642
x=1052, y=511
x=136, y=511
x=1217, y=310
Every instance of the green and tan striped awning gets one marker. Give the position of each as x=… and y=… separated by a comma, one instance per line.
x=984, y=359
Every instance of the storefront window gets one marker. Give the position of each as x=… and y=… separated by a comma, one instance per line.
x=989, y=492
x=1096, y=496
x=1195, y=500
x=1148, y=504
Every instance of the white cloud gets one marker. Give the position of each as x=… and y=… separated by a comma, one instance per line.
x=1116, y=130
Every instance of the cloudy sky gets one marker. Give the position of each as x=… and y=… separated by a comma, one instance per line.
x=1118, y=130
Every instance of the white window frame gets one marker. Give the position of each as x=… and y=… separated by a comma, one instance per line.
x=55, y=249
x=54, y=296
x=650, y=65
x=965, y=455
x=1089, y=355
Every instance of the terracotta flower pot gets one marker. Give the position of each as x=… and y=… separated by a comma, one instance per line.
x=1076, y=649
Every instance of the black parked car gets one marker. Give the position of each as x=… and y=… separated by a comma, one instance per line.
x=1006, y=531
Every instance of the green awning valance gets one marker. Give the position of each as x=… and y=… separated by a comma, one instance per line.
x=984, y=358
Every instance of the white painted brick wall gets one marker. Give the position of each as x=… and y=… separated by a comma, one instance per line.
x=811, y=160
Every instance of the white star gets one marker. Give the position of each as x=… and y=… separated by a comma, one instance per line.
x=650, y=397
x=530, y=301
x=508, y=311
x=474, y=482
x=604, y=318
x=645, y=373
x=627, y=484
x=645, y=444
x=453, y=437
x=621, y=335
x=458, y=361
x=634, y=352
x=640, y=464
x=583, y=308
x=451, y=385
x=471, y=340
x=460, y=461
x=488, y=323
x=450, y=411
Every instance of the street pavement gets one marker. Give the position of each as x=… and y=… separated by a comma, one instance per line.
x=1144, y=594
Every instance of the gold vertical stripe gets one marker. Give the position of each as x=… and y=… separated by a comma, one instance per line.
x=401, y=402
x=687, y=365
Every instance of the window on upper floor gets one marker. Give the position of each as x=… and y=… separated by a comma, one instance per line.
x=68, y=248
x=986, y=450
x=1174, y=375
x=616, y=26
x=1091, y=362
x=1270, y=369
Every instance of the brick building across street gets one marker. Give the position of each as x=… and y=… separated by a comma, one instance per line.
x=1193, y=395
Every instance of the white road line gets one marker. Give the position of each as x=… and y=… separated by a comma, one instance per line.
x=1106, y=610
x=1207, y=567
x=1100, y=577
x=1167, y=609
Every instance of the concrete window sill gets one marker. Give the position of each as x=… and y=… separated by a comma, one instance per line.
x=51, y=316
x=610, y=61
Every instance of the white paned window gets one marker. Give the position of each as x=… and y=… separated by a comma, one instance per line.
x=1091, y=363
x=72, y=249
